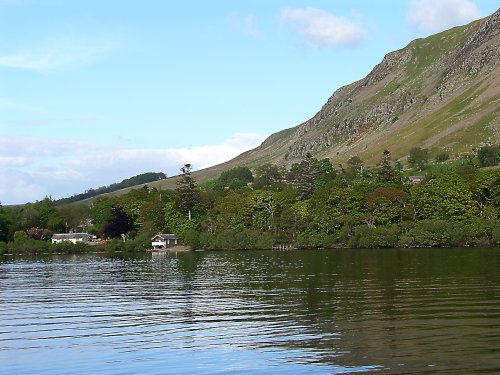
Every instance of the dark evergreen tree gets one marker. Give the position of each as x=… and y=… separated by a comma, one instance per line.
x=117, y=224
x=306, y=177
x=386, y=173
x=187, y=193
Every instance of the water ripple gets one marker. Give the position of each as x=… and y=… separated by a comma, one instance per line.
x=417, y=311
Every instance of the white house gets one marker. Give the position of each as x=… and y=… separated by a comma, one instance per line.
x=73, y=238
x=413, y=180
x=162, y=241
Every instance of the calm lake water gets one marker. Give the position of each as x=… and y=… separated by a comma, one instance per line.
x=253, y=312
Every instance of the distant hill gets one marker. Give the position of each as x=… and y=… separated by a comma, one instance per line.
x=140, y=179
x=441, y=93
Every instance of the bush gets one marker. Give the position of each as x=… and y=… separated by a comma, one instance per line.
x=309, y=240
x=192, y=238
x=114, y=245
x=496, y=235
x=3, y=248
x=365, y=237
x=67, y=247
x=29, y=246
x=241, y=239
x=488, y=156
x=442, y=157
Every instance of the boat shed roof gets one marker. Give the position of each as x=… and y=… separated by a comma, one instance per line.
x=67, y=236
x=166, y=236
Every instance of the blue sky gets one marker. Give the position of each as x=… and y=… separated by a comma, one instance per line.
x=95, y=91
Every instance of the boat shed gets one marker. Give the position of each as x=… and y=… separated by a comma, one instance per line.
x=163, y=241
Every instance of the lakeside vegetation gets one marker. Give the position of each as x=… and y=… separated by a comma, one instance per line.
x=310, y=205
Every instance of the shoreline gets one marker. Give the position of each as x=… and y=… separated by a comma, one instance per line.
x=173, y=249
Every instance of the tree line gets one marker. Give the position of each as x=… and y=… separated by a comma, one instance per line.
x=140, y=179
x=312, y=204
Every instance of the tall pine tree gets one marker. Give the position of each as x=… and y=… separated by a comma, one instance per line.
x=186, y=191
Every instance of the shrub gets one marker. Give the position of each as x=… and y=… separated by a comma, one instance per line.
x=3, y=248
x=309, y=240
x=67, y=247
x=488, y=156
x=30, y=246
x=366, y=237
x=241, y=239
x=496, y=235
x=442, y=157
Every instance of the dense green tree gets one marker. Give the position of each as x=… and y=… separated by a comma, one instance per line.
x=488, y=156
x=386, y=173
x=485, y=186
x=418, y=157
x=373, y=237
x=4, y=224
x=268, y=176
x=236, y=177
x=20, y=237
x=442, y=157
x=385, y=205
x=325, y=174
x=101, y=211
x=176, y=221
x=75, y=217
x=466, y=168
x=260, y=208
x=152, y=216
x=443, y=198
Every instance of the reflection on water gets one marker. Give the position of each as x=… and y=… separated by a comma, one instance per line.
x=325, y=312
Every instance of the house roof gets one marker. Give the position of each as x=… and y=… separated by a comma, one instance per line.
x=67, y=236
x=166, y=236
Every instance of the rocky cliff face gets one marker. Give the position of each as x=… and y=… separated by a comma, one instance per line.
x=440, y=92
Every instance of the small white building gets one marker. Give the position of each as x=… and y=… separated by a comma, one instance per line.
x=163, y=241
x=413, y=180
x=73, y=238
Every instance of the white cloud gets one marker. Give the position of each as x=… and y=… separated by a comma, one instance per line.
x=439, y=15
x=322, y=29
x=245, y=24
x=18, y=187
x=61, y=168
x=60, y=54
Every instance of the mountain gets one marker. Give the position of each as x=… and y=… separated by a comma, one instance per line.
x=441, y=92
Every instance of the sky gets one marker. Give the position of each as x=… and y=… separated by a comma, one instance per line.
x=96, y=91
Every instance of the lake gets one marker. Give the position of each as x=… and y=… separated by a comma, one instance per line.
x=404, y=311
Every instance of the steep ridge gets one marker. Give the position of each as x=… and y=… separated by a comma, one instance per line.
x=441, y=92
